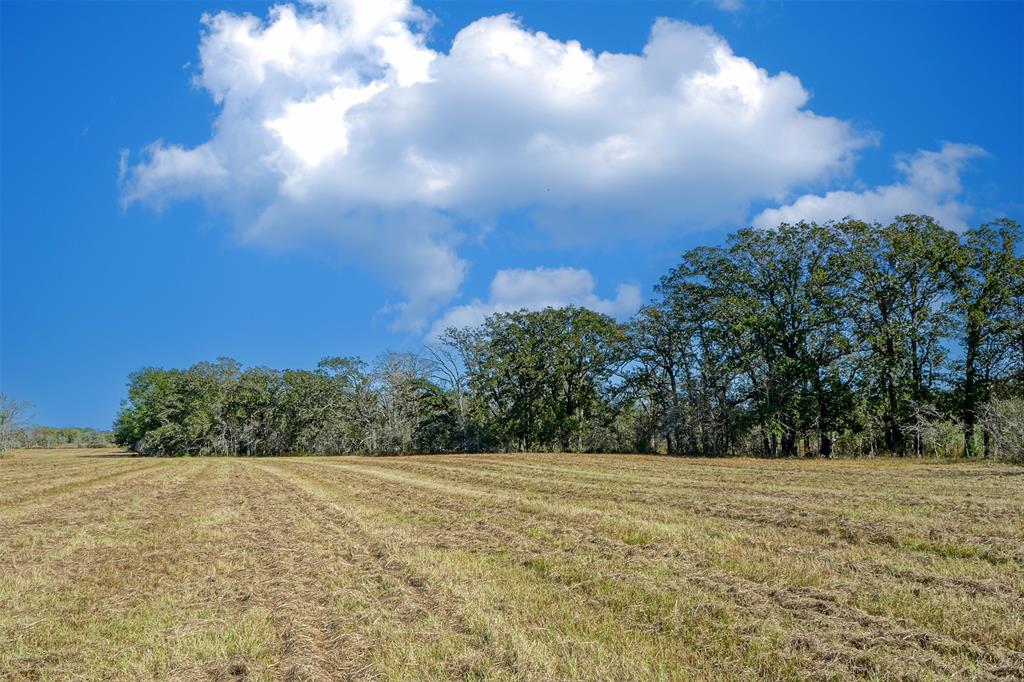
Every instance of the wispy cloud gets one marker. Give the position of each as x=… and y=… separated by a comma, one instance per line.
x=728, y=5
x=929, y=184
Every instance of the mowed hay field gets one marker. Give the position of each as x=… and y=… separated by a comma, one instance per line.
x=508, y=567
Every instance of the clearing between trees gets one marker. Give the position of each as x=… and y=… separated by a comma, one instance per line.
x=508, y=566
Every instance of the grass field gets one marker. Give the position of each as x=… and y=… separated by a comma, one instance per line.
x=508, y=566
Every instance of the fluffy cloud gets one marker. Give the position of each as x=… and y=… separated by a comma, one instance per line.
x=338, y=124
x=929, y=184
x=538, y=289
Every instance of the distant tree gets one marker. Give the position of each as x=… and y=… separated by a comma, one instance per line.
x=411, y=414
x=987, y=281
x=659, y=345
x=684, y=362
x=448, y=374
x=782, y=294
x=540, y=379
x=13, y=417
x=901, y=282
x=1015, y=340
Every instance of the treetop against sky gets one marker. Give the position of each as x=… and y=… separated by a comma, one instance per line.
x=278, y=183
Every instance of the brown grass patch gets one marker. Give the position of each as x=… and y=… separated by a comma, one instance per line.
x=508, y=567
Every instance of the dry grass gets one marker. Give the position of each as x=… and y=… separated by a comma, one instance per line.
x=523, y=567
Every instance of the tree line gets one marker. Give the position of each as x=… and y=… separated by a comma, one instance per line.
x=846, y=338
x=17, y=432
x=61, y=437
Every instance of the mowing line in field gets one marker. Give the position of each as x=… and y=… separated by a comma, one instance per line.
x=727, y=580
x=524, y=568
x=843, y=526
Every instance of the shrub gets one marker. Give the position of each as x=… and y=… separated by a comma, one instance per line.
x=1003, y=421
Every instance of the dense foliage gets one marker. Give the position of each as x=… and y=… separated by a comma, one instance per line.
x=845, y=338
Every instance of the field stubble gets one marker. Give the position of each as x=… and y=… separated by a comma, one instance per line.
x=508, y=566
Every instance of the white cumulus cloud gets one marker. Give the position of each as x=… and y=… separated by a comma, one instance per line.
x=929, y=184
x=536, y=289
x=338, y=124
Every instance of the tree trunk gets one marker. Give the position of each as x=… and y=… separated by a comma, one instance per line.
x=969, y=413
x=676, y=431
x=788, y=435
x=824, y=439
x=825, y=445
x=893, y=433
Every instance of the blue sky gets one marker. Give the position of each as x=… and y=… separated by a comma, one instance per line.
x=433, y=184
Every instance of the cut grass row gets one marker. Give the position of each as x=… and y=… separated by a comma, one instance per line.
x=519, y=567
